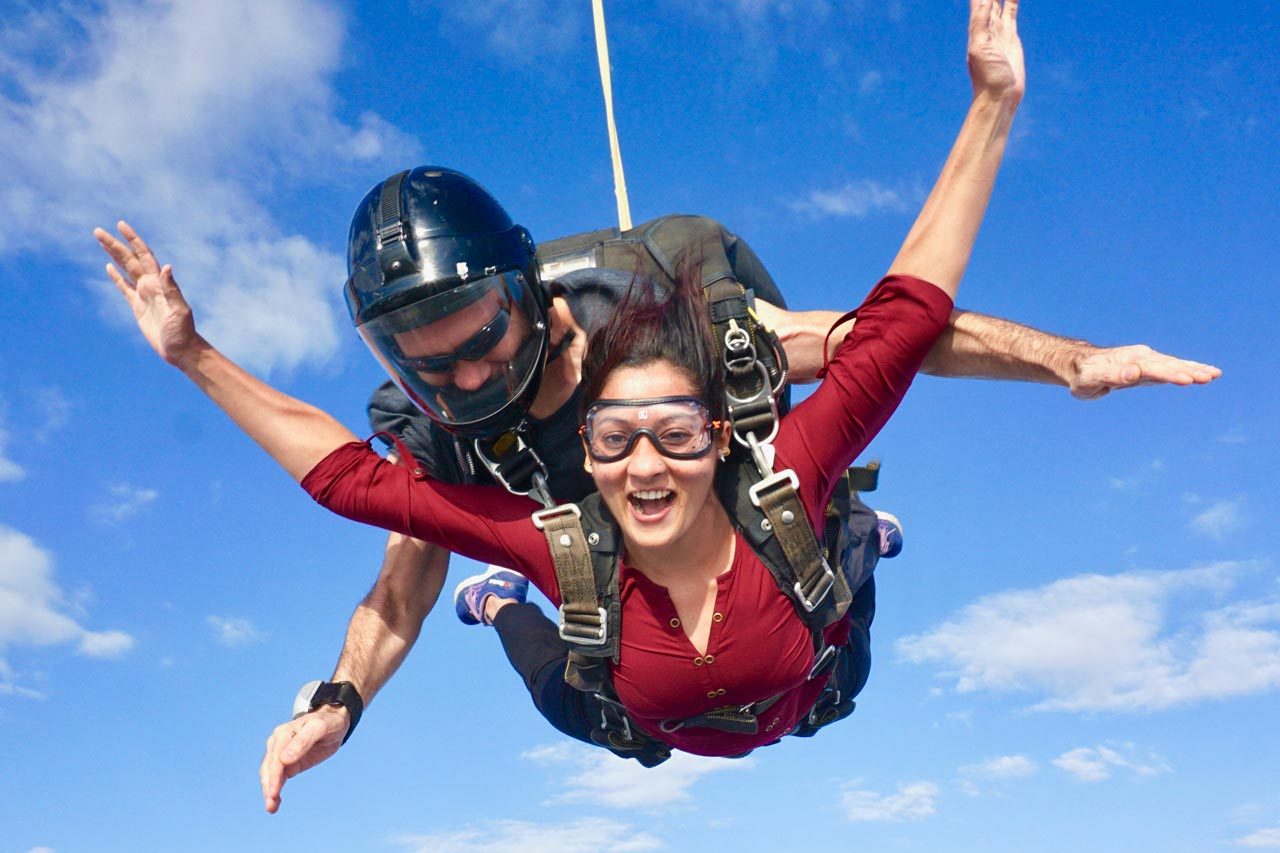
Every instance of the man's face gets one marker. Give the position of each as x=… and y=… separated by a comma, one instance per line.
x=469, y=348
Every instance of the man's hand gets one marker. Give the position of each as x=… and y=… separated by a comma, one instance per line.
x=299, y=745
x=1128, y=367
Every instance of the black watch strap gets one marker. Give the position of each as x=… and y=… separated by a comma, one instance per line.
x=341, y=693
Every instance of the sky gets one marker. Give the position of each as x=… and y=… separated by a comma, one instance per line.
x=1079, y=647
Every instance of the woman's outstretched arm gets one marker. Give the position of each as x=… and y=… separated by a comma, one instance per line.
x=937, y=247
x=296, y=434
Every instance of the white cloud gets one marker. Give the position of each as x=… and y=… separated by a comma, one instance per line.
x=10, y=471
x=1221, y=519
x=42, y=850
x=156, y=110
x=870, y=82
x=585, y=835
x=234, y=632
x=857, y=199
x=602, y=778
x=1143, y=476
x=1096, y=763
x=1002, y=767
x=122, y=503
x=55, y=411
x=34, y=611
x=913, y=801
x=1129, y=642
x=1235, y=435
x=511, y=26
x=1268, y=838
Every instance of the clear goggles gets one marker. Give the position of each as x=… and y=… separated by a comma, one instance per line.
x=494, y=321
x=678, y=427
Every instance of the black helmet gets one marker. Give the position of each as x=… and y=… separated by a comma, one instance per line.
x=444, y=289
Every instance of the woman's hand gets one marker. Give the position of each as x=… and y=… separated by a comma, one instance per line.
x=158, y=305
x=995, y=52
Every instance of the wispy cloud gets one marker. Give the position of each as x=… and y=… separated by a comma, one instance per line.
x=34, y=611
x=1097, y=763
x=1141, y=477
x=154, y=109
x=1262, y=839
x=233, y=631
x=510, y=26
x=122, y=503
x=1002, y=767
x=1128, y=642
x=585, y=835
x=54, y=409
x=601, y=778
x=1220, y=519
x=870, y=82
x=913, y=801
x=856, y=199
x=10, y=471
x=1235, y=435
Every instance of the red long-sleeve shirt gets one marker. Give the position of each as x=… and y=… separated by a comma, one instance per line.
x=758, y=646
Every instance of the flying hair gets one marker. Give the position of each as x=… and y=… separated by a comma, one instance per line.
x=648, y=328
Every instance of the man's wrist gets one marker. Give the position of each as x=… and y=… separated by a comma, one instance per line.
x=341, y=694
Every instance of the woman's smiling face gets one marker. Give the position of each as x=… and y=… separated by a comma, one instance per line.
x=657, y=500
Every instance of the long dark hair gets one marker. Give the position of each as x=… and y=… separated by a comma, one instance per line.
x=647, y=328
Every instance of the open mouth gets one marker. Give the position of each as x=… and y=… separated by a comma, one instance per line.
x=651, y=504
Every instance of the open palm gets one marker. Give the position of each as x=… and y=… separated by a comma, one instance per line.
x=158, y=305
x=995, y=51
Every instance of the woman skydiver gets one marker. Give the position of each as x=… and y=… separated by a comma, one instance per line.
x=704, y=624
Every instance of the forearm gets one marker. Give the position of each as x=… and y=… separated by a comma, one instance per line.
x=386, y=624
x=938, y=246
x=981, y=346
x=297, y=435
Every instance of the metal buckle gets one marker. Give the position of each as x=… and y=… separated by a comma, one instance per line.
x=825, y=582
x=601, y=633
x=770, y=481
x=538, y=489
x=828, y=652
x=542, y=516
x=607, y=705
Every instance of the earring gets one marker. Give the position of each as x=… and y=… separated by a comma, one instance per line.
x=724, y=454
x=586, y=466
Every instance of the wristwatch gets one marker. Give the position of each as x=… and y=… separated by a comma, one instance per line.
x=316, y=693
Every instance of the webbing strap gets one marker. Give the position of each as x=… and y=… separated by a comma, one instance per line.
x=738, y=719
x=778, y=500
x=582, y=620
x=606, y=83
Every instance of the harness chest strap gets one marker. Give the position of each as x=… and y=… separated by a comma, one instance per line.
x=583, y=621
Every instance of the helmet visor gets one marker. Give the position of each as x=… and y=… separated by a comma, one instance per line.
x=465, y=355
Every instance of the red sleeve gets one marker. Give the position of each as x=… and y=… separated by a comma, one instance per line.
x=896, y=327
x=484, y=523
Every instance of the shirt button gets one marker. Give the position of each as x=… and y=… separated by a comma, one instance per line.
x=711, y=694
x=698, y=661
x=717, y=617
x=720, y=691
x=710, y=659
x=675, y=623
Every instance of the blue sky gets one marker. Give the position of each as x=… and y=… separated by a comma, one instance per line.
x=1079, y=647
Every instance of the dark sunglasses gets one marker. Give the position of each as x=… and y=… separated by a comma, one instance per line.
x=473, y=348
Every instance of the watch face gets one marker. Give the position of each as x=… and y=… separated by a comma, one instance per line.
x=302, y=702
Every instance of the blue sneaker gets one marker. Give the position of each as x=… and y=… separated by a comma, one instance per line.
x=468, y=598
x=890, y=534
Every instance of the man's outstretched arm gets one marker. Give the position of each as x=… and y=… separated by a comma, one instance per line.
x=382, y=630
x=981, y=346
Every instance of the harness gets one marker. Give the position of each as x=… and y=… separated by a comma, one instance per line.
x=763, y=504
